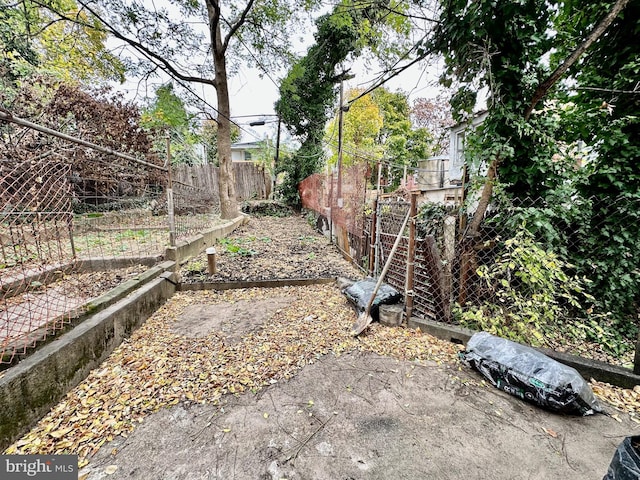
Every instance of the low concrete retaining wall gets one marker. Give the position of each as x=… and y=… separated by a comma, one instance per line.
x=296, y=282
x=13, y=286
x=194, y=246
x=603, y=372
x=80, y=313
x=31, y=388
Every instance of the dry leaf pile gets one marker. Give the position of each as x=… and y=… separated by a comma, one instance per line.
x=268, y=248
x=157, y=367
x=623, y=399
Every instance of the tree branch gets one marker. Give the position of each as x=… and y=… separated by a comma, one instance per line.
x=610, y=90
x=235, y=25
x=596, y=33
x=145, y=51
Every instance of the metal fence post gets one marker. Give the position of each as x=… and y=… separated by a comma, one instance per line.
x=372, y=238
x=170, y=204
x=411, y=256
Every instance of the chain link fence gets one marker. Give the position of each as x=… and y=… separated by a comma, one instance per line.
x=37, y=242
x=534, y=272
x=68, y=236
x=554, y=273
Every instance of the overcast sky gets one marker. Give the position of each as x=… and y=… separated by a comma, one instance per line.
x=253, y=94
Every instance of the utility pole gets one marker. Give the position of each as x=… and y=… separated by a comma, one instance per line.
x=343, y=108
x=276, y=158
x=278, y=143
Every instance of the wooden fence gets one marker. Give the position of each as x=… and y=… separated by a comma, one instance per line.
x=253, y=182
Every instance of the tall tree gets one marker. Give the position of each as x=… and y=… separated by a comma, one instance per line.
x=257, y=31
x=308, y=92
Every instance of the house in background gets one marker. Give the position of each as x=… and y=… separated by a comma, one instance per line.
x=245, y=151
x=439, y=179
x=456, y=146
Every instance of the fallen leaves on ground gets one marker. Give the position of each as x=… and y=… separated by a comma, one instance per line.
x=624, y=399
x=269, y=248
x=157, y=367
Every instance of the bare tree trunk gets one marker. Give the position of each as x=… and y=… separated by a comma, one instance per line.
x=595, y=34
x=485, y=198
x=226, y=180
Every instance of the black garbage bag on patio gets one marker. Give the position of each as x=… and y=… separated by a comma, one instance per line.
x=529, y=374
x=360, y=293
x=625, y=464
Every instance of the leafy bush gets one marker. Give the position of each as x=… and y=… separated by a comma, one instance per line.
x=527, y=293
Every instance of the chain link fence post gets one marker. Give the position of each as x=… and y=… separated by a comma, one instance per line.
x=411, y=255
x=170, y=203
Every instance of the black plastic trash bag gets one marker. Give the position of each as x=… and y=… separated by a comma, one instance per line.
x=526, y=373
x=360, y=293
x=625, y=464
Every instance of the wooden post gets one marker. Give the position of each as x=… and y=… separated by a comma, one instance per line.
x=340, y=127
x=70, y=230
x=433, y=266
x=211, y=260
x=411, y=256
x=636, y=359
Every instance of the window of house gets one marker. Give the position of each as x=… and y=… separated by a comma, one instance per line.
x=247, y=155
x=458, y=159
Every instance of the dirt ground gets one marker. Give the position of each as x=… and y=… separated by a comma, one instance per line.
x=356, y=415
x=269, y=384
x=268, y=248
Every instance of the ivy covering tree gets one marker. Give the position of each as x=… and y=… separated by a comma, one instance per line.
x=554, y=140
x=604, y=115
x=308, y=92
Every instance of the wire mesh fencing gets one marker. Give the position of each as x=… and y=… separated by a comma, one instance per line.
x=58, y=228
x=340, y=199
x=562, y=276
x=37, y=242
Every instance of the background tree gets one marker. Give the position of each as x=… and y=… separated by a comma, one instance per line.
x=208, y=136
x=404, y=145
x=99, y=116
x=255, y=31
x=434, y=114
x=31, y=39
x=362, y=124
x=167, y=115
x=378, y=126
x=308, y=92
